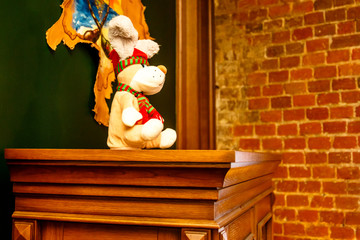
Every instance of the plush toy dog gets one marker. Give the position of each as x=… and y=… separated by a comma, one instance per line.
x=134, y=122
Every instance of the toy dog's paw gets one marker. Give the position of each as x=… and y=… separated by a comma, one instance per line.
x=151, y=129
x=130, y=116
x=168, y=138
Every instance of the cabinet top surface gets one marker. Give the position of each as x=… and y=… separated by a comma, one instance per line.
x=151, y=156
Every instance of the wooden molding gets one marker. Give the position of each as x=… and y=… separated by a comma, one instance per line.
x=194, y=78
x=24, y=230
x=194, y=234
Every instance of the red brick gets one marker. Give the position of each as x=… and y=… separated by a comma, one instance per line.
x=342, y=2
x=301, y=74
x=341, y=112
x=294, y=114
x=270, y=64
x=287, y=129
x=335, y=15
x=356, y=158
x=317, y=231
x=302, y=33
x=275, y=51
x=319, y=86
x=353, y=188
x=339, y=157
x=334, y=127
x=272, y=90
x=295, y=143
x=321, y=202
x=259, y=103
x=348, y=173
x=267, y=2
x=284, y=214
x=354, y=127
x=322, y=4
x=338, y=56
x=344, y=142
x=261, y=39
x=243, y=130
x=313, y=59
x=249, y=143
x=252, y=91
x=319, y=143
x=289, y=62
x=342, y=233
x=279, y=200
x=277, y=228
x=353, y=13
x=241, y=16
x=324, y=30
x=286, y=186
x=271, y=116
x=345, y=41
x=299, y=172
x=294, y=229
x=314, y=18
x=256, y=79
x=279, y=11
x=328, y=98
x=317, y=113
x=281, y=102
x=349, y=203
x=293, y=158
x=355, y=54
x=246, y=4
x=332, y=217
x=308, y=215
x=317, y=45
x=295, y=88
x=325, y=72
x=272, y=25
x=316, y=157
x=349, y=69
x=294, y=48
x=309, y=186
x=303, y=100
x=294, y=22
x=334, y=187
x=257, y=14
x=323, y=172
x=351, y=97
x=263, y=130
x=357, y=111
x=343, y=84
x=302, y=7
x=281, y=172
x=281, y=37
x=352, y=218
x=297, y=200
x=346, y=27
x=310, y=128
x=271, y=144
x=278, y=76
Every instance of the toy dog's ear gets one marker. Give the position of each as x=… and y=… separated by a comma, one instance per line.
x=148, y=46
x=122, y=36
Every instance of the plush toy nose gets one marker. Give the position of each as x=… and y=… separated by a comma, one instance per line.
x=162, y=68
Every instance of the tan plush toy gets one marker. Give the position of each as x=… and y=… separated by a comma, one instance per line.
x=134, y=122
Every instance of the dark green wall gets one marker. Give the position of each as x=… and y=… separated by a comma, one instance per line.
x=46, y=96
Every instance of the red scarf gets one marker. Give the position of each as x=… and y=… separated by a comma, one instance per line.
x=146, y=109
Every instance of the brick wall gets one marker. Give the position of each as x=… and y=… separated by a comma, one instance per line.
x=288, y=80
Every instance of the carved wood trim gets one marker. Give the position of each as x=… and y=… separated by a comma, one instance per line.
x=24, y=230
x=195, y=234
x=194, y=77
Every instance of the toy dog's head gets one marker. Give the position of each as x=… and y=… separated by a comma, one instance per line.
x=130, y=58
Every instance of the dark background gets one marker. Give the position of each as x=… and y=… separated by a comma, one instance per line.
x=46, y=97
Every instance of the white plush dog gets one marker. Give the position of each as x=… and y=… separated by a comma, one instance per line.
x=134, y=122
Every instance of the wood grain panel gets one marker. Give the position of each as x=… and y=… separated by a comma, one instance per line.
x=120, y=207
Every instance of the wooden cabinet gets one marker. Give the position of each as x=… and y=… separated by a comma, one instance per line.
x=65, y=194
